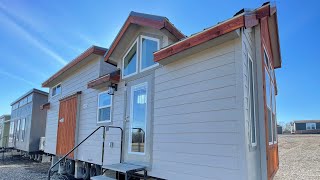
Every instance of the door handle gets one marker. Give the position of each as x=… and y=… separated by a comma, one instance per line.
x=61, y=120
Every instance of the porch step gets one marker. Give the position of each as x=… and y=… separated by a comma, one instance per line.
x=102, y=177
x=125, y=167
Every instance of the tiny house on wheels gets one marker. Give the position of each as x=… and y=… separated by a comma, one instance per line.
x=171, y=106
x=306, y=127
x=4, y=130
x=28, y=122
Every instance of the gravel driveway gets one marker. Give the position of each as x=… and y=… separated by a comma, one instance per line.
x=17, y=167
x=299, y=157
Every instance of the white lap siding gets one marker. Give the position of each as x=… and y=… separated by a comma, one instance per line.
x=197, y=116
x=90, y=151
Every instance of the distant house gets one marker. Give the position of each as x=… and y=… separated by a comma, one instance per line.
x=306, y=127
x=4, y=130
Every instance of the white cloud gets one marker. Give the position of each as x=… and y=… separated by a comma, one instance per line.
x=12, y=25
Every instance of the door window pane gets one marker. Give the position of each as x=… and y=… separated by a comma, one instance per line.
x=138, y=119
x=148, y=46
x=130, y=61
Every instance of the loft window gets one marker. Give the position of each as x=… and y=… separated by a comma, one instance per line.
x=148, y=47
x=130, y=61
x=140, y=54
x=252, y=113
x=104, y=107
x=310, y=126
x=56, y=90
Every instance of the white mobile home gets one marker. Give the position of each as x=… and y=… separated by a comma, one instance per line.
x=198, y=107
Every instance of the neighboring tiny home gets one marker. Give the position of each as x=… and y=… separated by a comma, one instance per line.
x=28, y=121
x=198, y=107
x=4, y=130
x=306, y=127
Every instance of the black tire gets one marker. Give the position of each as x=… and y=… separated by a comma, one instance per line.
x=86, y=171
x=95, y=170
x=70, y=167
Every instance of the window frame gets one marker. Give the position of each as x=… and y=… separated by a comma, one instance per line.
x=133, y=88
x=98, y=108
x=18, y=130
x=56, y=90
x=140, y=51
x=252, y=81
x=22, y=129
x=310, y=124
x=137, y=62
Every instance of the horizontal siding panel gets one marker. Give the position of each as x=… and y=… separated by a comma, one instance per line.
x=209, y=64
x=196, y=127
x=197, y=160
x=211, y=138
x=199, y=171
x=220, y=115
x=213, y=105
x=200, y=76
x=195, y=87
x=204, y=149
x=199, y=96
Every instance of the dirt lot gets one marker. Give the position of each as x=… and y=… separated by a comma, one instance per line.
x=17, y=167
x=299, y=157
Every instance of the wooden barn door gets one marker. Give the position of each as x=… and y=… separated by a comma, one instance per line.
x=269, y=101
x=67, y=125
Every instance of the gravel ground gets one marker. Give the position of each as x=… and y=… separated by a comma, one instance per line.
x=299, y=157
x=22, y=168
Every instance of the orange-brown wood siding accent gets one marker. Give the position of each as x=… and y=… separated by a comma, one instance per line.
x=272, y=150
x=67, y=128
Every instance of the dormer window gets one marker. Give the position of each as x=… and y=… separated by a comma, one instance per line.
x=140, y=54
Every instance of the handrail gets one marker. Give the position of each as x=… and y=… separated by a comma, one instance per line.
x=49, y=171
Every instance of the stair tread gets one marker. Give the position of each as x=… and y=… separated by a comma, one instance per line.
x=102, y=177
x=124, y=167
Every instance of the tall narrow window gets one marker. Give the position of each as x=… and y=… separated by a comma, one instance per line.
x=252, y=113
x=138, y=118
x=104, y=107
x=274, y=118
x=148, y=46
x=23, y=129
x=18, y=130
x=11, y=131
x=130, y=61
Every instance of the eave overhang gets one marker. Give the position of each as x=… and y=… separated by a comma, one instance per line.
x=113, y=78
x=244, y=19
x=92, y=50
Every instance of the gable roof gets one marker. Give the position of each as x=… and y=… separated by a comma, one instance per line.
x=244, y=18
x=157, y=22
x=92, y=50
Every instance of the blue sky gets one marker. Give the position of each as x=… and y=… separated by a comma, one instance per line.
x=37, y=38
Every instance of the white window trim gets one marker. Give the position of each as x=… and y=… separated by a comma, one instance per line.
x=144, y=84
x=140, y=56
x=137, y=61
x=55, y=87
x=98, y=108
x=253, y=144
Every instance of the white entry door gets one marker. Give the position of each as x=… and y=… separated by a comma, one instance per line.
x=138, y=122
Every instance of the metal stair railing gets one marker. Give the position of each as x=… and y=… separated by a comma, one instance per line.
x=104, y=135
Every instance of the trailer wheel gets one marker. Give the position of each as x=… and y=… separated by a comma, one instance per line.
x=70, y=167
x=86, y=171
x=39, y=159
x=95, y=170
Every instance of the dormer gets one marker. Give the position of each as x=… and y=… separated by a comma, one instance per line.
x=140, y=36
